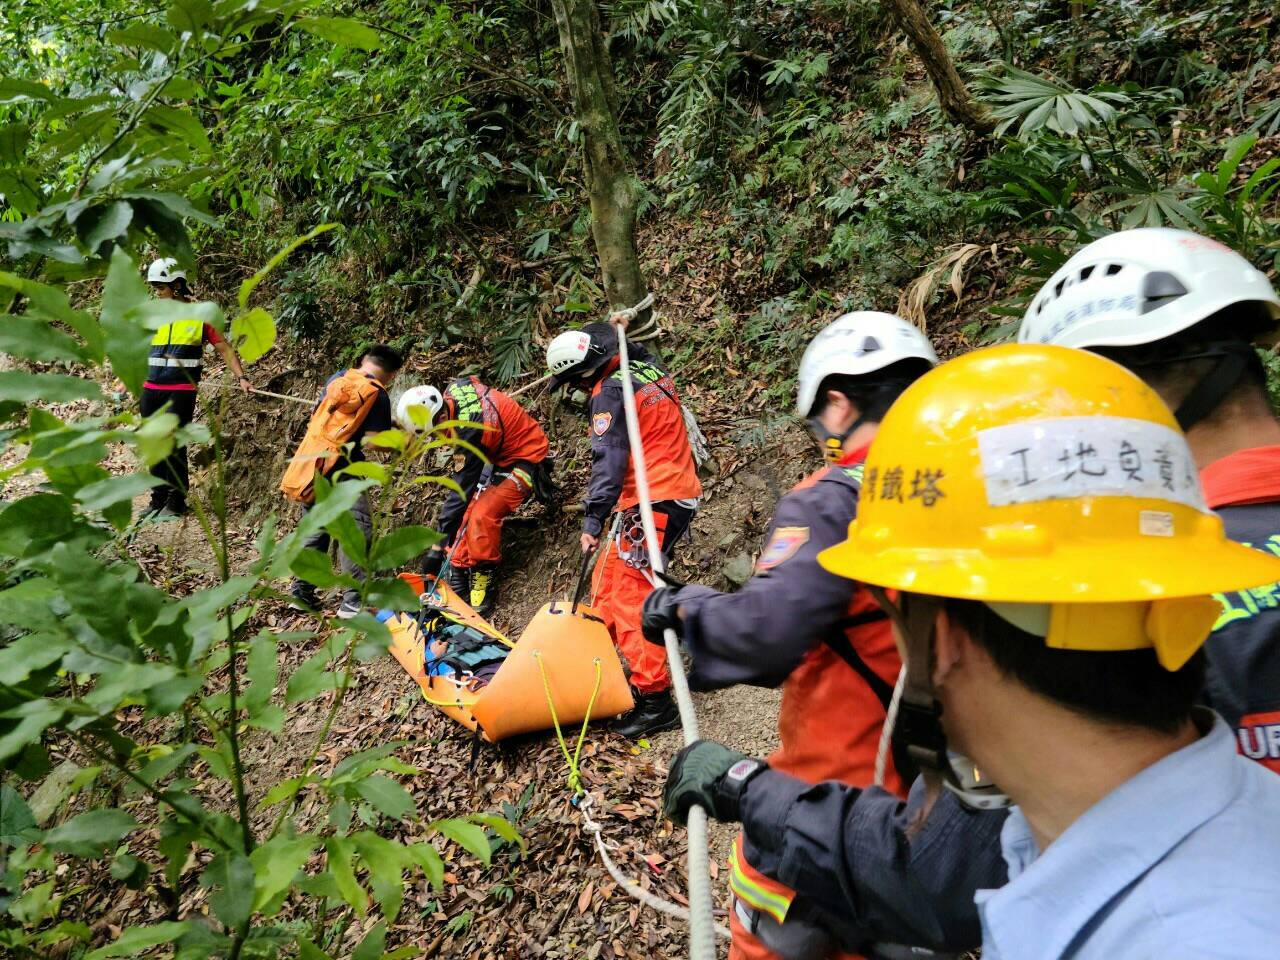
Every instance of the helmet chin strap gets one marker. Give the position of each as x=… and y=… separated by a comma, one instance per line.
x=833, y=443
x=919, y=725
x=1234, y=357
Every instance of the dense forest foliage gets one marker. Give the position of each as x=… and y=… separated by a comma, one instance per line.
x=427, y=174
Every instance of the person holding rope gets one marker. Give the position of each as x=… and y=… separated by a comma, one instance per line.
x=503, y=461
x=587, y=360
x=818, y=635
x=174, y=365
x=1182, y=312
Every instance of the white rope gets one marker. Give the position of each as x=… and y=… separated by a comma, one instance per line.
x=628, y=885
x=886, y=732
x=702, y=944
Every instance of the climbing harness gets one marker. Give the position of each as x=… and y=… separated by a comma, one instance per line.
x=701, y=918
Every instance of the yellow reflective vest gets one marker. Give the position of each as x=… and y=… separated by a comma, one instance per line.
x=176, y=353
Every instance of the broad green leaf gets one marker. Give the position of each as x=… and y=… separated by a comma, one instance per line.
x=51, y=303
x=231, y=876
x=146, y=35
x=428, y=858
x=13, y=90
x=343, y=31
x=33, y=719
x=467, y=835
x=350, y=537
x=14, y=138
x=127, y=343
x=182, y=123
x=248, y=286
x=275, y=864
x=100, y=495
x=386, y=796
x=400, y=546
x=136, y=939
x=385, y=860
x=34, y=339
x=373, y=945
x=176, y=204
x=367, y=469
x=27, y=603
x=339, y=866
x=260, y=671
x=27, y=387
x=284, y=791
x=17, y=822
x=254, y=333
x=35, y=524
x=503, y=827
x=317, y=569
x=153, y=440
x=309, y=951
x=189, y=16
x=102, y=223
x=310, y=680
x=91, y=834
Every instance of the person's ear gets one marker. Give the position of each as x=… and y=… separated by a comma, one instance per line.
x=950, y=646
x=838, y=402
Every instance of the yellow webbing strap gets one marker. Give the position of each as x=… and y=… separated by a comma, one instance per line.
x=575, y=776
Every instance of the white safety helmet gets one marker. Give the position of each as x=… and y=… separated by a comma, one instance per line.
x=567, y=351
x=165, y=270
x=855, y=344
x=1140, y=286
x=576, y=353
x=417, y=407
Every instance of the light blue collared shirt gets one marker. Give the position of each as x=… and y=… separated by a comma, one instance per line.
x=1182, y=862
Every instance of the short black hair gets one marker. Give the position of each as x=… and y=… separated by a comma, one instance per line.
x=1127, y=687
x=388, y=358
x=872, y=393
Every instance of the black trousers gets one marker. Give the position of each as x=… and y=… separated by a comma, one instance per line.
x=172, y=470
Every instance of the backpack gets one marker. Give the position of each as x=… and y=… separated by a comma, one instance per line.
x=346, y=402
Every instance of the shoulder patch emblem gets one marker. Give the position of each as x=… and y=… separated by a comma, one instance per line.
x=601, y=423
x=782, y=546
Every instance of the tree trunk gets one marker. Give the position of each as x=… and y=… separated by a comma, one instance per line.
x=953, y=95
x=611, y=186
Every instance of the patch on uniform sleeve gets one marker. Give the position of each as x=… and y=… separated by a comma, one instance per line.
x=601, y=423
x=1259, y=738
x=782, y=546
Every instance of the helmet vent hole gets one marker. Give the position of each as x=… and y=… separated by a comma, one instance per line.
x=1086, y=272
x=1057, y=287
x=1114, y=268
x=870, y=345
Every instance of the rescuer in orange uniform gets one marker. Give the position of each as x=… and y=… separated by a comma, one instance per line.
x=501, y=466
x=820, y=636
x=588, y=360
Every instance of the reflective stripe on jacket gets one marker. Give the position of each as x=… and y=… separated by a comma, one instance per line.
x=176, y=354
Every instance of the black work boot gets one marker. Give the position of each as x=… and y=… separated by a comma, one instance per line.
x=484, y=590
x=304, y=596
x=459, y=581
x=653, y=713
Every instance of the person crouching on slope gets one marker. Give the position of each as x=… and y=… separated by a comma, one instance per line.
x=588, y=360
x=174, y=365
x=819, y=635
x=503, y=463
x=354, y=405
x=1052, y=609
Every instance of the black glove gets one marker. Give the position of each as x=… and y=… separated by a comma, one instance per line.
x=660, y=612
x=712, y=776
x=432, y=561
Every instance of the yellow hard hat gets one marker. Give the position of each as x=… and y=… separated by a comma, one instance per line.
x=1030, y=474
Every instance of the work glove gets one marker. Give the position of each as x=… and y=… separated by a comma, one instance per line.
x=432, y=561
x=659, y=613
x=710, y=775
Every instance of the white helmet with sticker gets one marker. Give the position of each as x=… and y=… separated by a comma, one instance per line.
x=1140, y=286
x=856, y=344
